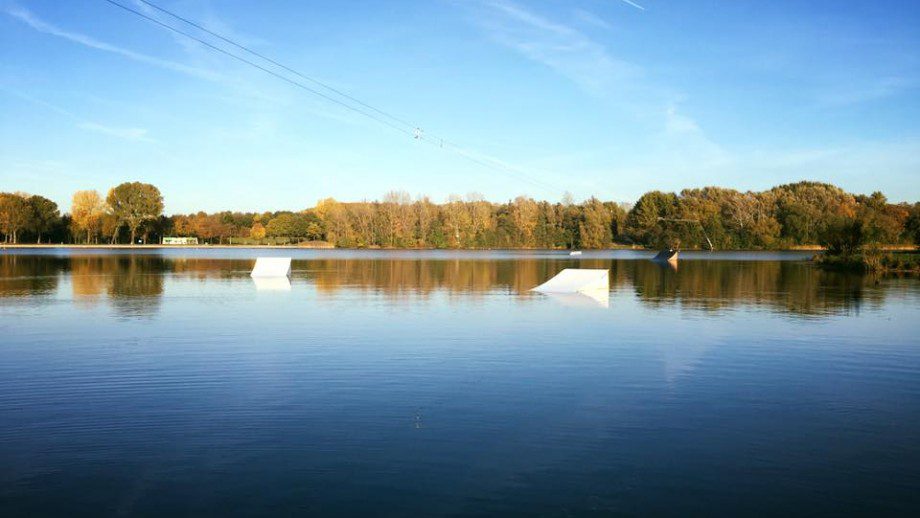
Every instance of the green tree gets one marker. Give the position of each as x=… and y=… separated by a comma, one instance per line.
x=912, y=224
x=644, y=222
x=594, y=229
x=133, y=203
x=45, y=215
x=804, y=209
x=294, y=226
x=843, y=235
x=883, y=223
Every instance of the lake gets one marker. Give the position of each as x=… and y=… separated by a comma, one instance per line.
x=431, y=383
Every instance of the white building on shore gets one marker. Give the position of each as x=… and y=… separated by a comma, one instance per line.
x=180, y=240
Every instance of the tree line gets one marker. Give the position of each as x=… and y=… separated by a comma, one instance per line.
x=129, y=208
x=803, y=213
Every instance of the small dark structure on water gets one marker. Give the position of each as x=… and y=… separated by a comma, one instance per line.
x=666, y=256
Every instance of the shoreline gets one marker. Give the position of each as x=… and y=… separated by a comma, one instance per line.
x=42, y=246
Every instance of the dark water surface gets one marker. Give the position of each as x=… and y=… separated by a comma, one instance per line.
x=434, y=383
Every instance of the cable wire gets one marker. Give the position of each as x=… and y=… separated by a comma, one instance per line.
x=407, y=128
x=273, y=62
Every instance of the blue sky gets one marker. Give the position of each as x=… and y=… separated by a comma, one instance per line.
x=596, y=97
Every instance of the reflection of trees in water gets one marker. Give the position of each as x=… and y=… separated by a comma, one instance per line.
x=403, y=277
x=203, y=269
x=87, y=278
x=22, y=275
x=789, y=286
x=136, y=284
x=133, y=284
x=705, y=285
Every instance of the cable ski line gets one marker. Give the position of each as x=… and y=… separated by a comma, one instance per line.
x=417, y=131
x=273, y=62
x=258, y=66
x=378, y=115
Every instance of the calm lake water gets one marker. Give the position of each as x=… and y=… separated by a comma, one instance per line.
x=435, y=383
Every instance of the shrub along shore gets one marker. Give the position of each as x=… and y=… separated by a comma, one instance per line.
x=872, y=261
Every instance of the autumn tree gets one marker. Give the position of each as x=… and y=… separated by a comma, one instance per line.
x=257, y=231
x=340, y=222
x=110, y=227
x=133, y=203
x=425, y=217
x=87, y=211
x=804, y=209
x=594, y=229
x=457, y=220
x=524, y=212
x=209, y=226
x=792, y=214
x=481, y=220
x=182, y=225
x=15, y=214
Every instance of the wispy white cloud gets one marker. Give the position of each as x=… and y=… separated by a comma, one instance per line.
x=132, y=134
x=209, y=21
x=677, y=123
x=40, y=25
x=242, y=88
x=685, y=142
x=674, y=138
x=880, y=88
x=560, y=47
x=138, y=134
x=589, y=18
x=854, y=160
x=637, y=6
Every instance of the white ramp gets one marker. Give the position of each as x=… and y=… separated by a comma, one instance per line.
x=272, y=267
x=272, y=283
x=577, y=280
x=581, y=300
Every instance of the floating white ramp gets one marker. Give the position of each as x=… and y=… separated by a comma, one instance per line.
x=577, y=280
x=272, y=267
x=272, y=283
x=582, y=299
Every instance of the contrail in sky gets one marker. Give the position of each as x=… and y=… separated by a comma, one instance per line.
x=637, y=6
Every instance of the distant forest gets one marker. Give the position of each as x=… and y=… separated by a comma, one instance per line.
x=804, y=213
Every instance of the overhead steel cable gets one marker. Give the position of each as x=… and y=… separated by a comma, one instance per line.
x=276, y=63
x=244, y=48
x=496, y=165
x=260, y=67
x=407, y=128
